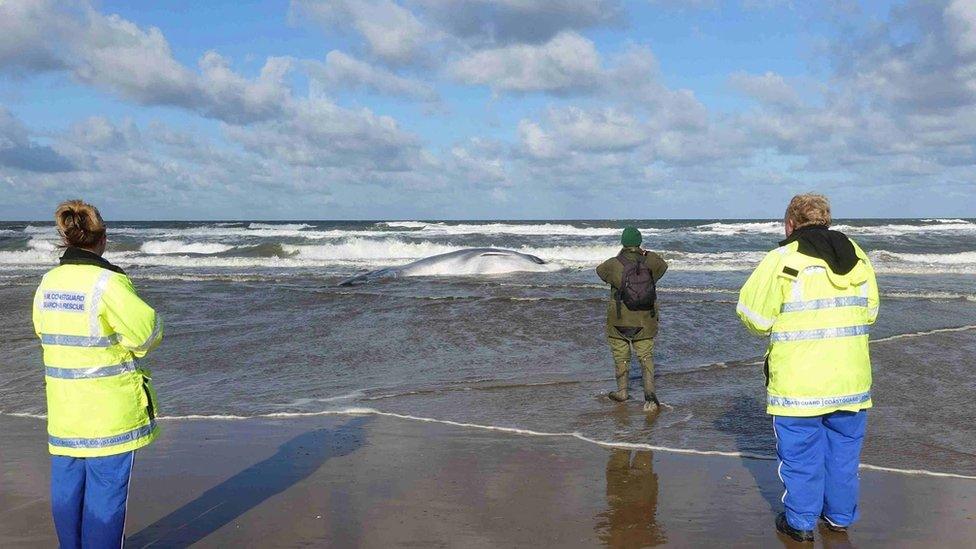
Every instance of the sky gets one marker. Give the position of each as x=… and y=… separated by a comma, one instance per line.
x=486, y=109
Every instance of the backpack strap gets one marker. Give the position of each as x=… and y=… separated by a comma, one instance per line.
x=620, y=315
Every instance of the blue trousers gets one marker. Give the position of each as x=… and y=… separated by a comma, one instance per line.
x=88, y=497
x=818, y=460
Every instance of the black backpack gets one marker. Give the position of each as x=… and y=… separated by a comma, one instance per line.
x=637, y=290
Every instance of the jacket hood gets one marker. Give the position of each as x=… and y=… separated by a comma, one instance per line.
x=78, y=256
x=831, y=246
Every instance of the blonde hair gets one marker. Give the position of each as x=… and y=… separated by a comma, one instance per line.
x=809, y=209
x=79, y=224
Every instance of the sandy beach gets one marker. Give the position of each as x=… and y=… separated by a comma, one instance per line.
x=375, y=481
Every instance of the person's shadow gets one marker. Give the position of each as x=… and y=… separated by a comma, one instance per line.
x=294, y=461
x=630, y=519
x=752, y=428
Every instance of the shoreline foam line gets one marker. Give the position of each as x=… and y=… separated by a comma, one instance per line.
x=529, y=432
x=925, y=333
x=578, y=436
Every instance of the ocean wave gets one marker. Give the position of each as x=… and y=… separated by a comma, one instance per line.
x=403, y=224
x=489, y=229
x=732, y=229
x=280, y=226
x=895, y=229
x=938, y=296
x=370, y=250
x=209, y=277
x=219, y=230
x=960, y=258
x=27, y=258
x=391, y=250
x=905, y=229
x=243, y=233
x=544, y=229
x=43, y=245
x=155, y=247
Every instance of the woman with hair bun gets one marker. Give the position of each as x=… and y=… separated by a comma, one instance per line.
x=101, y=406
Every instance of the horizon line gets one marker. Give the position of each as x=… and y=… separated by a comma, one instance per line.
x=477, y=220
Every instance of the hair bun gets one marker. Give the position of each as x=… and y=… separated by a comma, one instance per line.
x=79, y=224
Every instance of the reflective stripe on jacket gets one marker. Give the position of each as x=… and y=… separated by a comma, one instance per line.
x=93, y=329
x=817, y=321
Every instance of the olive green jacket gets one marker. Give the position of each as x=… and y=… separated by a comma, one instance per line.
x=611, y=271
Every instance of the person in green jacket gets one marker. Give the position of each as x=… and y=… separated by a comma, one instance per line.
x=632, y=312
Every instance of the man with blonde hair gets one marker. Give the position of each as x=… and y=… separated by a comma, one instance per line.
x=815, y=297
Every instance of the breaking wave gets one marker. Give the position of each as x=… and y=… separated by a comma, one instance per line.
x=180, y=247
x=550, y=229
x=391, y=251
x=280, y=226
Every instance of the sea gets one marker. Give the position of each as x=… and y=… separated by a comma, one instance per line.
x=258, y=326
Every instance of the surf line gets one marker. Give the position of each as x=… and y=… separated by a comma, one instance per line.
x=578, y=436
x=524, y=432
x=879, y=340
x=925, y=333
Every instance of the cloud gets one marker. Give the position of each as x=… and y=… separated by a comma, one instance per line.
x=115, y=55
x=897, y=106
x=321, y=134
x=487, y=23
x=512, y=46
x=158, y=171
x=262, y=114
x=392, y=32
x=19, y=152
x=573, y=129
x=689, y=4
x=900, y=104
x=960, y=19
x=768, y=88
x=344, y=72
x=567, y=63
x=28, y=30
x=715, y=4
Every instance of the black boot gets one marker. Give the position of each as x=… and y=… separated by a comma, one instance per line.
x=651, y=403
x=783, y=527
x=833, y=527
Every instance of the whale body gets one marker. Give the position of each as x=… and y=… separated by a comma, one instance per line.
x=471, y=261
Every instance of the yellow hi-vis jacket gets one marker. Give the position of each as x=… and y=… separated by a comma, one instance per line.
x=93, y=328
x=817, y=321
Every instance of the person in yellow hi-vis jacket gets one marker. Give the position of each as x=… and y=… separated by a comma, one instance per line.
x=101, y=405
x=815, y=297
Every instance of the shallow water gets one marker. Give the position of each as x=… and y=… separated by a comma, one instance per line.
x=256, y=325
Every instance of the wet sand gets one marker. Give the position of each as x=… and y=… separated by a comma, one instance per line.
x=372, y=481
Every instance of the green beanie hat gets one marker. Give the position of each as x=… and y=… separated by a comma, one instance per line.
x=631, y=237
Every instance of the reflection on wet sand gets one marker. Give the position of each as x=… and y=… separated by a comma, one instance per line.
x=630, y=519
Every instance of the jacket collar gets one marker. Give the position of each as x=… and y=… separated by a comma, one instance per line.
x=78, y=256
x=797, y=233
x=831, y=246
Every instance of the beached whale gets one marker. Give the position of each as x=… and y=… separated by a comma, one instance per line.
x=471, y=261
